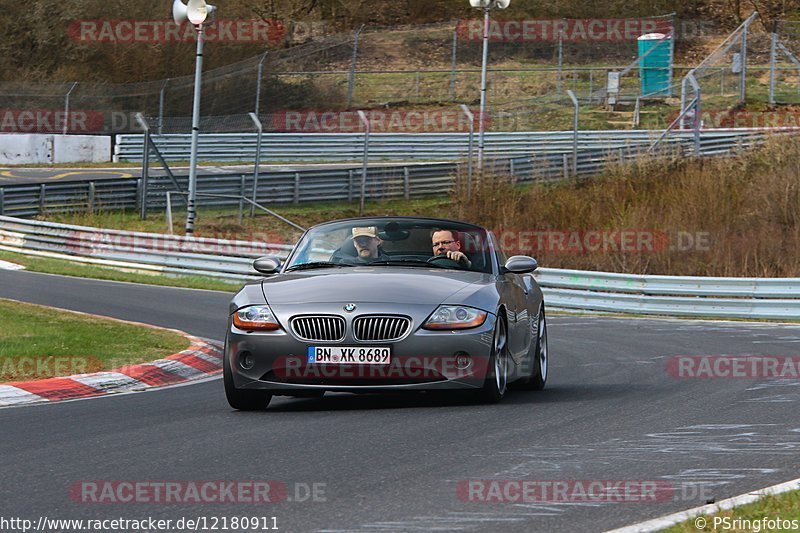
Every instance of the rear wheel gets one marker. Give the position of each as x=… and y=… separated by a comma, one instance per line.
x=496, y=382
x=538, y=375
x=243, y=400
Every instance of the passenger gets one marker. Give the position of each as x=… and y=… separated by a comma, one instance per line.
x=368, y=245
x=446, y=244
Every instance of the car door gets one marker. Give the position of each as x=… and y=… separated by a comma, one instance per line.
x=514, y=290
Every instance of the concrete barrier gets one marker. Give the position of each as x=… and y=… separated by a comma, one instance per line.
x=36, y=148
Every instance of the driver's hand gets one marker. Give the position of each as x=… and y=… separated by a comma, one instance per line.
x=459, y=257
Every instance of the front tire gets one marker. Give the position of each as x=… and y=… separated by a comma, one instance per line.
x=495, y=383
x=242, y=400
x=541, y=358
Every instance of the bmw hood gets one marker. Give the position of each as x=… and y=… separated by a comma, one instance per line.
x=368, y=285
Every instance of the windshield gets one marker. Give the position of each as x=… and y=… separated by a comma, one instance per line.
x=393, y=242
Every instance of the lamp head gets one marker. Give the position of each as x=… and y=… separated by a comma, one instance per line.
x=491, y=4
x=195, y=12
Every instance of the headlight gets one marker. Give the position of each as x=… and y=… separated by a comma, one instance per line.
x=255, y=317
x=455, y=317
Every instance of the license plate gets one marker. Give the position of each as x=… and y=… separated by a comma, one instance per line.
x=342, y=355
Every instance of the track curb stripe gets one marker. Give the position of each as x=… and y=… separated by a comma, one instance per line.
x=201, y=360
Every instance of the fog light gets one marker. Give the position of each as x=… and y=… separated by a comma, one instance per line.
x=246, y=360
x=463, y=360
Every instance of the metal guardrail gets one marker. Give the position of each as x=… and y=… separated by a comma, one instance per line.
x=341, y=184
x=751, y=298
x=547, y=156
x=283, y=147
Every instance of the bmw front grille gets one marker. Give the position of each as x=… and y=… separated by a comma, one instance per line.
x=319, y=328
x=380, y=328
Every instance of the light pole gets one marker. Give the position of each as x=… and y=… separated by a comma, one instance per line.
x=196, y=12
x=486, y=5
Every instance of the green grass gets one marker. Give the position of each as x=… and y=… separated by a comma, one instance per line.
x=784, y=506
x=66, y=268
x=39, y=342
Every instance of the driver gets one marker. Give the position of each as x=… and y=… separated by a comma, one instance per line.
x=368, y=244
x=446, y=244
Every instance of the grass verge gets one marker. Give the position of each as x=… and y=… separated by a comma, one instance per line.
x=66, y=268
x=785, y=507
x=40, y=342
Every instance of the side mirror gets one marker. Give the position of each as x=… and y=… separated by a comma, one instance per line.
x=521, y=264
x=267, y=265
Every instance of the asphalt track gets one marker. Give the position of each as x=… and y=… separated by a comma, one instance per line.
x=611, y=412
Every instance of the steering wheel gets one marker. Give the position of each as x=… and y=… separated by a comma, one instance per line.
x=444, y=262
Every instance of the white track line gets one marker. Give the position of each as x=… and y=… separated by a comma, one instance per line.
x=664, y=522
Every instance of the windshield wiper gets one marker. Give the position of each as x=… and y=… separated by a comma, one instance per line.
x=316, y=264
x=404, y=262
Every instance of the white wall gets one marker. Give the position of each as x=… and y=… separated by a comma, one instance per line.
x=24, y=149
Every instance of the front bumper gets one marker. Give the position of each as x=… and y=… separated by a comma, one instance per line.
x=277, y=361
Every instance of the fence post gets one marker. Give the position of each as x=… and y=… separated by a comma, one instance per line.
x=743, y=75
x=773, y=61
x=365, y=121
x=257, y=122
x=91, y=196
x=591, y=86
x=560, y=60
x=296, y=199
x=575, y=130
x=406, y=184
x=66, y=107
x=352, y=78
x=453, y=64
x=416, y=86
x=145, y=165
x=161, y=106
x=258, y=92
x=471, y=119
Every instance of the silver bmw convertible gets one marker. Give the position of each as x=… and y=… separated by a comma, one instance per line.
x=387, y=304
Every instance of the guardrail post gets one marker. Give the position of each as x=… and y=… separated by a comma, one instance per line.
x=242, y=186
x=2, y=202
x=296, y=199
x=406, y=184
x=42, y=195
x=511, y=168
x=139, y=197
x=350, y=185
x=91, y=196
x=565, y=164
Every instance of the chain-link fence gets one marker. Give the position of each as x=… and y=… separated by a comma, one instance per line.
x=619, y=80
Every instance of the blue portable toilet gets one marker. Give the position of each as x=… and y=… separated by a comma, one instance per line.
x=655, y=68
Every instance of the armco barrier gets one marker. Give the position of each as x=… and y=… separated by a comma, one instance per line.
x=383, y=182
x=749, y=298
x=282, y=147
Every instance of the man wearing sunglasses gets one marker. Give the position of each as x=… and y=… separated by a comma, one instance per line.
x=446, y=244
